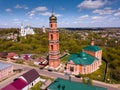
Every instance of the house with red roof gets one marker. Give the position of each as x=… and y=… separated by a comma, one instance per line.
x=25, y=81
x=11, y=55
x=3, y=54
x=18, y=84
x=31, y=77
x=86, y=61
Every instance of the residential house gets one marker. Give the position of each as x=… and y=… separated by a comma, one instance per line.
x=11, y=55
x=25, y=81
x=18, y=84
x=41, y=61
x=3, y=54
x=31, y=77
x=5, y=70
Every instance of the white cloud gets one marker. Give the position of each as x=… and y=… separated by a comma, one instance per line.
x=49, y=13
x=18, y=6
x=17, y=22
x=4, y=24
x=40, y=9
x=21, y=6
x=104, y=11
x=92, y=4
x=31, y=14
x=117, y=12
x=58, y=15
x=8, y=10
x=97, y=17
x=84, y=16
x=15, y=19
x=46, y=14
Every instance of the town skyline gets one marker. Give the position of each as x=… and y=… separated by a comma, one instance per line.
x=80, y=13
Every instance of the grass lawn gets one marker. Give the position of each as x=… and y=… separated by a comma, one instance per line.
x=39, y=84
x=36, y=86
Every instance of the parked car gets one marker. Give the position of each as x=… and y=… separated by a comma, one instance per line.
x=50, y=70
x=77, y=76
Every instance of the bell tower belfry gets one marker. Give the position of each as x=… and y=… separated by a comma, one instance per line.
x=54, y=53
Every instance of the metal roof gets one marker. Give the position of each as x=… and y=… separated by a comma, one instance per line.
x=82, y=58
x=92, y=48
x=62, y=84
x=4, y=65
x=31, y=75
x=16, y=85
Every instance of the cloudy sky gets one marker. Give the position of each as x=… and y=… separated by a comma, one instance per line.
x=70, y=13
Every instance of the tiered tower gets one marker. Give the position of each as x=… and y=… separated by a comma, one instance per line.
x=54, y=53
x=22, y=32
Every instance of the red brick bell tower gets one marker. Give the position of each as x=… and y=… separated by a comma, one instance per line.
x=54, y=53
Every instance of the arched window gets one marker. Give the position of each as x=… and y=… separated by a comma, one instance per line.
x=51, y=36
x=71, y=69
x=51, y=47
x=51, y=25
x=84, y=69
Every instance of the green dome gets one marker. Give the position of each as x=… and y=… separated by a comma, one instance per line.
x=83, y=55
x=53, y=18
x=82, y=58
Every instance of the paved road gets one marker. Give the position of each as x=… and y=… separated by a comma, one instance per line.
x=55, y=75
x=52, y=75
x=15, y=75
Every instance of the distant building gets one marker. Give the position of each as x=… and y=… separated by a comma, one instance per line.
x=5, y=70
x=41, y=61
x=3, y=54
x=28, y=30
x=43, y=29
x=11, y=55
x=86, y=61
x=25, y=81
x=62, y=84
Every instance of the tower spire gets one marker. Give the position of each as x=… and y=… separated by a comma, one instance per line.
x=52, y=11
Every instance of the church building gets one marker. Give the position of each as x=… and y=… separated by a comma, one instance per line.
x=28, y=30
x=54, y=52
x=86, y=61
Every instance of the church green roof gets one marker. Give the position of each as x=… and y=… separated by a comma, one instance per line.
x=62, y=84
x=82, y=58
x=92, y=48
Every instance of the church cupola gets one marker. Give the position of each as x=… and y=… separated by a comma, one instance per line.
x=53, y=22
x=53, y=19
